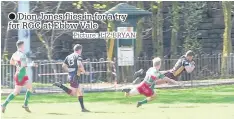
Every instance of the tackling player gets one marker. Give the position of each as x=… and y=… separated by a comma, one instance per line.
x=74, y=67
x=19, y=59
x=146, y=87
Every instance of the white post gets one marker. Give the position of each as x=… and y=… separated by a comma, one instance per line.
x=24, y=34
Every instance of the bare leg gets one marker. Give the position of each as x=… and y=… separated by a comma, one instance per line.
x=132, y=92
x=73, y=91
x=136, y=80
x=70, y=91
x=151, y=98
x=80, y=98
x=11, y=97
x=148, y=99
x=27, y=96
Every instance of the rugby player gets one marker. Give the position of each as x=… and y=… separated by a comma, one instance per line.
x=20, y=60
x=184, y=63
x=146, y=87
x=73, y=65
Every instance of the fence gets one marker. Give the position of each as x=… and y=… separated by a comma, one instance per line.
x=207, y=67
x=48, y=72
x=103, y=73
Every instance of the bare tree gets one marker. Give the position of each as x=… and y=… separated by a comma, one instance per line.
x=192, y=15
x=5, y=5
x=227, y=41
x=175, y=28
x=139, y=39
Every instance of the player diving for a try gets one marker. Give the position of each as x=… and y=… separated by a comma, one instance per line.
x=19, y=59
x=146, y=87
x=73, y=65
x=184, y=63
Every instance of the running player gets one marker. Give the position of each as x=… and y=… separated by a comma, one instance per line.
x=146, y=87
x=74, y=67
x=19, y=59
x=184, y=63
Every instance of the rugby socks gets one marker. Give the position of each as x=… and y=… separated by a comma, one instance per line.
x=66, y=89
x=9, y=98
x=80, y=98
x=143, y=101
x=27, y=96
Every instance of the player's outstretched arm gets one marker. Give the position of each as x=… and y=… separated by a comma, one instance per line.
x=163, y=72
x=165, y=80
x=170, y=81
x=32, y=64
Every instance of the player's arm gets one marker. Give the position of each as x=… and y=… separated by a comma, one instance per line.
x=170, y=81
x=12, y=61
x=81, y=66
x=164, y=79
x=189, y=66
x=65, y=65
x=31, y=63
x=163, y=72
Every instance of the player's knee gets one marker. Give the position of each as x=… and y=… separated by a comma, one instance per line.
x=79, y=93
x=153, y=96
x=16, y=92
x=73, y=93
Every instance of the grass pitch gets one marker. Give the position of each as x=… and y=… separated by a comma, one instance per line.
x=197, y=103
x=121, y=111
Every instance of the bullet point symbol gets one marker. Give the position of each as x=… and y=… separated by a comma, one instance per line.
x=11, y=16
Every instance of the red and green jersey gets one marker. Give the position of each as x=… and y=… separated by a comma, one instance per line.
x=147, y=85
x=152, y=75
x=21, y=62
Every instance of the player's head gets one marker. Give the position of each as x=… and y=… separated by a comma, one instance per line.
x=20, y=45
x=77, y=48
x=189, y=55
x=157, y=63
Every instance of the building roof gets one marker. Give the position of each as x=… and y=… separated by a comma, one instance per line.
x=124, y=8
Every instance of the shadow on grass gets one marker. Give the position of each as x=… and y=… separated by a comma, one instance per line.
x=177, y=106
x=11, y=117
x=110, y=112
x=57, y=113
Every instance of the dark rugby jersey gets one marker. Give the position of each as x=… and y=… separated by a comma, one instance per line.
x=73, y=61
x=180, y=66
